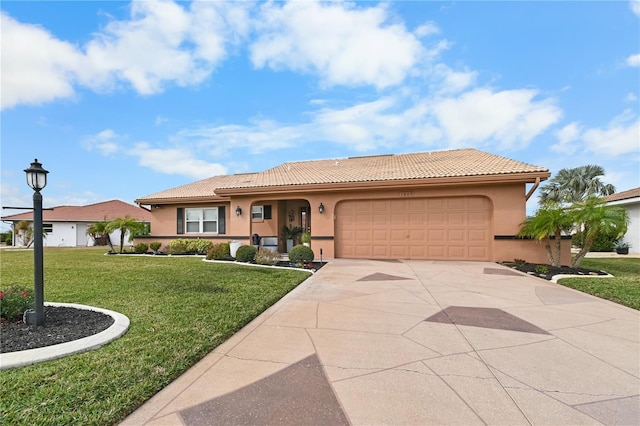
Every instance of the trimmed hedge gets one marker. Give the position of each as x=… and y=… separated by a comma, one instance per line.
x=219, y=251
x=246, y=253
x=301, y=253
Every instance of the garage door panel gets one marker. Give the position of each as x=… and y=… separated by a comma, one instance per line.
x=436, y=252
x=457, y=235
x=457, y=252
x=427, y=228
x=456, y=203
x=456, y=218
x=436, y=236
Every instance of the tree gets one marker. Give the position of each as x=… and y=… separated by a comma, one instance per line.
x=548, y=223
x=596, y=218
x=125, y=225
x=576, y=185
x=98, y=231
x=24, y=231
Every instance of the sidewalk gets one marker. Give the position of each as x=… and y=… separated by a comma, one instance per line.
x=417, y=342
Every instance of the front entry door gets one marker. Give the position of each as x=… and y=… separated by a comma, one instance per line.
x=305, y=219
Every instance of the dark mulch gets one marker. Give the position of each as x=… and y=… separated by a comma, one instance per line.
x=530, y=268
x=62, y=324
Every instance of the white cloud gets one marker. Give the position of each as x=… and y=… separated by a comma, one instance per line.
x=104, y=142
x=175, y=161
x=512, y=118
x=566, y=138
x=344, y=44
x=427, y=29
x=508, y=120
x=161, y=43
x=635, y=6
x=36, y=67
x=634, y=60
x=621, y=137
x=631, y=97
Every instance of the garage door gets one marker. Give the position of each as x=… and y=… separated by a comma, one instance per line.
x=452, y=228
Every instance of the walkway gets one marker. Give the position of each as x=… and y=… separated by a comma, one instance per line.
x=417, y=342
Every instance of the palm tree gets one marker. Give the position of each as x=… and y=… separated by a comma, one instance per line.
x=24, y=231
x=98, y=231
x=576, y=185
x=125, y=225
x=549, y=221
x=596, y=218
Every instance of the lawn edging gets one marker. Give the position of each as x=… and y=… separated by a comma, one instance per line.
x=33, y=356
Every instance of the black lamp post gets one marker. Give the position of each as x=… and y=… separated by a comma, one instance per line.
x=37, y=180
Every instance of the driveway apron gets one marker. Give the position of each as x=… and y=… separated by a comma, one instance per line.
x=367, y=342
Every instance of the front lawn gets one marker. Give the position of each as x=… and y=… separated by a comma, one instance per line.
x=623, y=289
x=180, y=309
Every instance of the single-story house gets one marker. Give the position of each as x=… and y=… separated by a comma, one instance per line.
x=66, y=226
x=449, y=205
x=630, y=200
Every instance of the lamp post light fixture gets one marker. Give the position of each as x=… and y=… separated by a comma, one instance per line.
x=321, y=208
x=37, y=180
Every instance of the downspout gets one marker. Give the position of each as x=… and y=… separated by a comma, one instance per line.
x=533, y=189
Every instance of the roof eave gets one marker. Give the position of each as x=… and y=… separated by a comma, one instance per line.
x=525, y=177
x=185, y=200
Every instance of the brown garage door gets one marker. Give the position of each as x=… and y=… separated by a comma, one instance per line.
x=452, y=228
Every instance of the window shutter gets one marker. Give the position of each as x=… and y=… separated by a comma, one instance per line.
x=267, y=212
x=180, y=222
x=222, y=220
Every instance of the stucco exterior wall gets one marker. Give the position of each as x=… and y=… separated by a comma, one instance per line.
x=508, y=211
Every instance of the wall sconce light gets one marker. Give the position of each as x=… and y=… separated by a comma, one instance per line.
x=321, y=208
x=292, y=215
x=238, y=211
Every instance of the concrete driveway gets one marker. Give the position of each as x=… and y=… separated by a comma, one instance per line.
x=417, y=343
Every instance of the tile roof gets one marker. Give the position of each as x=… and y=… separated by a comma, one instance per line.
x=424, y=165
x=624, y=195
x=92, y=212
x=205, y=188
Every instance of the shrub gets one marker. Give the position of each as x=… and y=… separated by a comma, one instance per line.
x=267, y=257
x=141, y=248
x=301, y=253
x=519, y=261
x=155, y=246
x=220, y=251
x=605, y=241
x=199, y=246
x=246, y=253
x=179, y=246
x=542, y=269
x=306, y=237
x=14, y=301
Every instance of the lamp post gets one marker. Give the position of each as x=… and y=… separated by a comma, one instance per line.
x=37, y=180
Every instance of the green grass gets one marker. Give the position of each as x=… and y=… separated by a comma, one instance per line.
x=623, y=289
x=180, y=309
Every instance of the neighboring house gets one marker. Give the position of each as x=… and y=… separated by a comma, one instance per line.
x=630, y=200
x=448, y=205
x=66, y=226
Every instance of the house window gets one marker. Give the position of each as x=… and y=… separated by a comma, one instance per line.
x=257, y=213
x=47, y=228
x=202, y=220
x=260, y=213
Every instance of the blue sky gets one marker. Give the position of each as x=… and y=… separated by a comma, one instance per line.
x=124, y=99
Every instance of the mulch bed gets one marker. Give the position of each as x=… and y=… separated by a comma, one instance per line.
x=534, y=269
x=62, y=324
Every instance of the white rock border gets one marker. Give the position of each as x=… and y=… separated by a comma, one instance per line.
x=89, y=343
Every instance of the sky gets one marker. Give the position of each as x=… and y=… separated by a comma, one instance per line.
x=119, y=100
